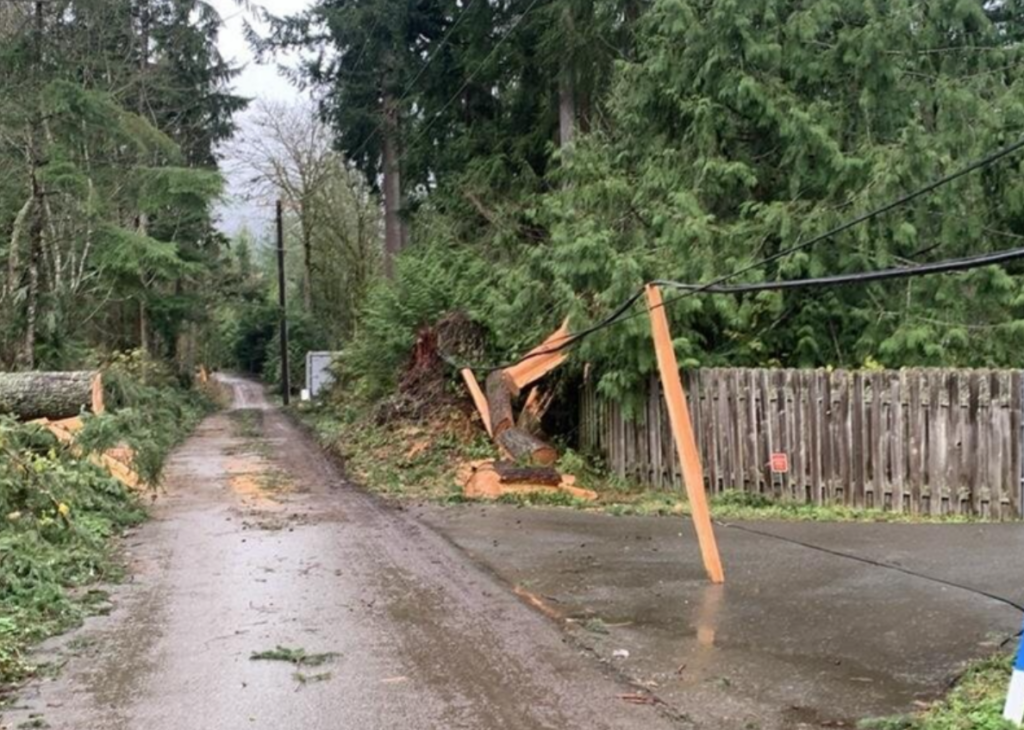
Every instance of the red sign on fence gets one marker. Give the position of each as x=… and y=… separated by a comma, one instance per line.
x=780, y=463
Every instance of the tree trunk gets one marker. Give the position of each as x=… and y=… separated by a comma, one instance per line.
x=13, y=262
x=143, y=327
x=566, y=107
x=500, y=392
x=394, y=235
x=307, y=261
x=35, y=238
x=537, y=404
x=48, y=395
x=35, y=232
x=566, y=94
x=525, y=448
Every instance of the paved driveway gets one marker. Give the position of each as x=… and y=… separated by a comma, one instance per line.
x=798, y=636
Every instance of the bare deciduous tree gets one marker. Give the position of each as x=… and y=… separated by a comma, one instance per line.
x=287, y=152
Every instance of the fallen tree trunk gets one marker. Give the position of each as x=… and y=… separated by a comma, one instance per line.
x=521, y=446
x=52, y=395
x=500, y=392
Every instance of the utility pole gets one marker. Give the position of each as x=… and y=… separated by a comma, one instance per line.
x=286, y=387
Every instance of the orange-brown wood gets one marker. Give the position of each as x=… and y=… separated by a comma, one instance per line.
x=541, y=360
x=70, y=424
x=478, y=398
x=682, y=430
x=97, y=394
x=116, y=461
x=537, y=404
x=500, y=392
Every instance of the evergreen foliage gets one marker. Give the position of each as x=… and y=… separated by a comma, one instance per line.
x=708, y=135
x=109, y=114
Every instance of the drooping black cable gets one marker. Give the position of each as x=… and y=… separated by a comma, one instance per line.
x=803, y=245
x=875, y=563
x=555, y=345
x=902, y=272
x=620, y=313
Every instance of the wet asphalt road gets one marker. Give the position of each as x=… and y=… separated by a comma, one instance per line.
x=490, y=616
x=798, y=637
x=258, y=542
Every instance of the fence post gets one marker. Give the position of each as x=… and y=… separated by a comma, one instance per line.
x=682, y=430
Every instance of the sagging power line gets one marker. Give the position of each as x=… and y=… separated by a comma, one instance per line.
x=620, y=314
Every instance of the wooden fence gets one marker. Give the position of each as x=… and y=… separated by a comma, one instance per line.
x=921, y=440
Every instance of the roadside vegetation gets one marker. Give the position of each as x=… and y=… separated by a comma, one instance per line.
x=59, y=513
x=422, y=460
x=975, y=703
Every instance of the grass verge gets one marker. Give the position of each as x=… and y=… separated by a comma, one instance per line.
x=403, y=461
x=975, y=703
x=420, y=461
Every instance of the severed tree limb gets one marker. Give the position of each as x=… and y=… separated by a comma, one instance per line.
x=510, y=473
x=500, y=391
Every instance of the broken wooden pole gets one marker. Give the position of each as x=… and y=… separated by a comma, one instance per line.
x=682, y=430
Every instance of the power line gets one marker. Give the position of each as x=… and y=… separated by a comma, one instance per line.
x=619, y=315
x=901, y=272
x=408, y=88
x=864, y=217
x=469, y=79
x=989, y=159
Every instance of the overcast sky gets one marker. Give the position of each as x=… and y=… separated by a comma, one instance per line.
x=256, y=82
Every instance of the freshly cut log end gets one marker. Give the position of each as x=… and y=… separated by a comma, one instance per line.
x=500, y=392
x=523, y=447
x=52, y=395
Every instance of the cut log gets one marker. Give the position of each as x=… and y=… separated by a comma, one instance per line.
x=500, y=392
x=523, y=447
x=53, y=395
x=511, y=473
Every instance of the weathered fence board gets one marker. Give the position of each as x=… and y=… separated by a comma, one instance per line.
x=928, y=441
